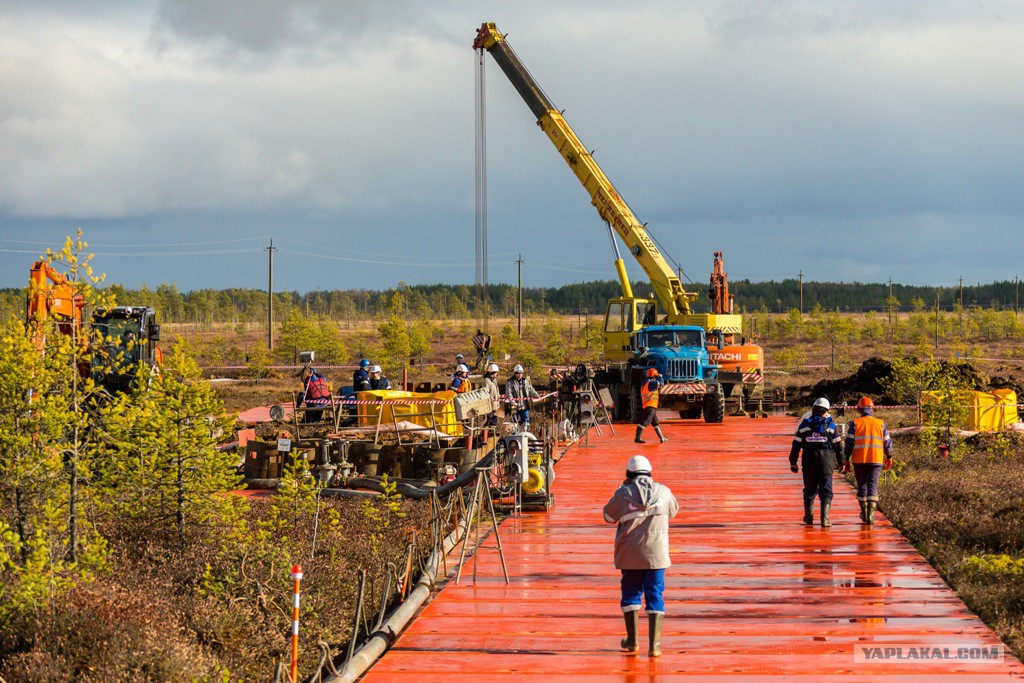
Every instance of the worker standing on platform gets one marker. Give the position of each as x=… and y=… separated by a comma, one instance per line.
x=361, y=377
x=460, y=380
x=822, y=448
x=649, y=393
x=491, y=385
x=869, y=448
x=519, y=392
x=642, y=507
x=378, y=382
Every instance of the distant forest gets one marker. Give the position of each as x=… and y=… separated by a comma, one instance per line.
x=462, y=301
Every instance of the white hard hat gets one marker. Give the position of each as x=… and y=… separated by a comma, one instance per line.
x=459, y=355
x=638, y=463
x=375, y=368
x=461, y=367
x=823, y=403
x=517, y=368
x=493, y=367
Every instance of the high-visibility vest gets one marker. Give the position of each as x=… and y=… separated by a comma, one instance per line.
x=648, y=396
x=463, y=387
x=868, y=440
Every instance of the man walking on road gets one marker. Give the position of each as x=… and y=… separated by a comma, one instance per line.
x=642, y=507
x=822, y=448
x=649, y=395
x=870, y=449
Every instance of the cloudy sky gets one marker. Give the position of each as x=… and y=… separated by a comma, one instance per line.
x=852, y=141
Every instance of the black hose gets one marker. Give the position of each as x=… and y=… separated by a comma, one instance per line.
x=347, y=493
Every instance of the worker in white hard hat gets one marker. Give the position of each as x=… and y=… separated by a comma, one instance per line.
x=822, y=448
x=378, y=382
x=518, y=393
x=642, y=507
x=491, y=385
x=460, y=380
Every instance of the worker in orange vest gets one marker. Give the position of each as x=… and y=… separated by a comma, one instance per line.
x=649, y=394
x=869, y=448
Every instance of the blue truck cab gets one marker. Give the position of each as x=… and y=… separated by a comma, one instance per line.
x=679, y=353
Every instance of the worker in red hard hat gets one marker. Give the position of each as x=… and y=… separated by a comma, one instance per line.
x=641, y=508
x=649, y=394
x=869, y=448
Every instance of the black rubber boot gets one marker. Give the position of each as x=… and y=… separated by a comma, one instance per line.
x=657, y=430
x=863, y=510
x=654, y=633
x=629, y=643
x=808, y=511
x=639, y=431
x=869, y=514
x=826, y=507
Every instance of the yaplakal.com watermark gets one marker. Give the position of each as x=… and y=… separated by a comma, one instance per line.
x=961, y=653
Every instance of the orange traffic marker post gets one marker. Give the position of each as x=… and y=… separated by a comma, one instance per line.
x=297, y=580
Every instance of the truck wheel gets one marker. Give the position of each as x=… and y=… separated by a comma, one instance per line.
x=714, y=407
x=635, y=407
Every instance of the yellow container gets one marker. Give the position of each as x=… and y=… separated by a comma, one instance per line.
x=387, y=407
x=987, y=411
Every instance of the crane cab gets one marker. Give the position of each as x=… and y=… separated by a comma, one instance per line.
x=623, y=317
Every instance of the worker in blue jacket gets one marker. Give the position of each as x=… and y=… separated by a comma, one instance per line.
x=822, y=448
x=361, y=377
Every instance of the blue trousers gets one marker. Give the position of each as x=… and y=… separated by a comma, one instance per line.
x=522, y=416
x=650, y=583
x=867, y=474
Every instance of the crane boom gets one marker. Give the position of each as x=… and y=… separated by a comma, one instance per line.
x=610, y=206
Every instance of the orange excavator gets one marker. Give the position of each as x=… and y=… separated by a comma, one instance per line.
x=124, y=337
x=50, y=295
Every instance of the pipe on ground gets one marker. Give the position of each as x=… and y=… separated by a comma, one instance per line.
x=381, y=639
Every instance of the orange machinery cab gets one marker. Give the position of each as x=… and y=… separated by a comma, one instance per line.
x=738, y=358
x=736, y=362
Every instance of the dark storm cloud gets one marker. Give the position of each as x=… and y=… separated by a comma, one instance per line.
x=262, y=29
x=753, y=127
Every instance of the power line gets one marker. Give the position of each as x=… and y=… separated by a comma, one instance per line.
x=166, y=244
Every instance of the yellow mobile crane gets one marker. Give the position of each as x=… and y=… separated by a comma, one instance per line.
x=627, y=318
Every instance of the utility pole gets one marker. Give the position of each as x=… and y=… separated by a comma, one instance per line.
x=888, y=306
x=1016, y=294
x=270, y=296
x=801, y=292
x=961, y=318
x=936, y=319
x=519, y=306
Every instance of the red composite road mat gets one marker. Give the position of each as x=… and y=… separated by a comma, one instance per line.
x=753, y=594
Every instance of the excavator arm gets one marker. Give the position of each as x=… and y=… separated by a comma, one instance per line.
x=610, y=206
x=51, y=295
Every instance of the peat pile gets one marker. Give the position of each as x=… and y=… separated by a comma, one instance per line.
x=867, y=381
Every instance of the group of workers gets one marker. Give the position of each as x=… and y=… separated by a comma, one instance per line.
x=867, y=447
x=369, y=377
x=519, y=390
x=641, y=507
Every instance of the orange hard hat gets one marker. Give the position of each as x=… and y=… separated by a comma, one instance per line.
x=865, y=402
x=652, y=372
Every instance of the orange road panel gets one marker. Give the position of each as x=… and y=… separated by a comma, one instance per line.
x=753, y=595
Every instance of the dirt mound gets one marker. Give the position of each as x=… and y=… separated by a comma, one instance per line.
x=866, y=380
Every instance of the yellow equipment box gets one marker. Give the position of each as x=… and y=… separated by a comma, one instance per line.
x=388, y=407
x=987, y=411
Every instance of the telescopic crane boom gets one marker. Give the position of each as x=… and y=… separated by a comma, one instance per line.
x=611, y=207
